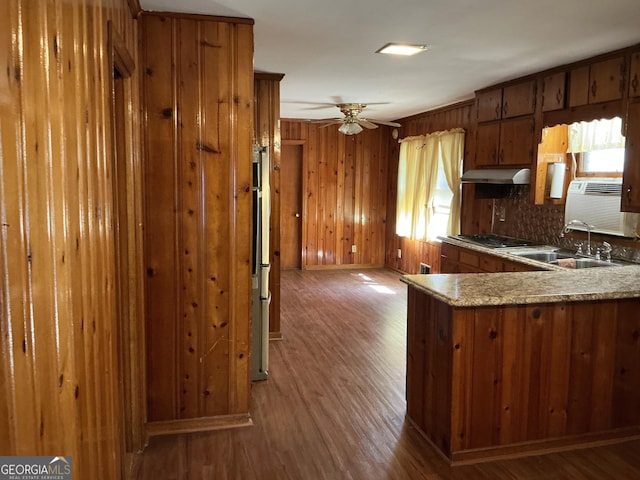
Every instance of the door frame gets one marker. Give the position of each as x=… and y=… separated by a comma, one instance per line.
x=130, y=339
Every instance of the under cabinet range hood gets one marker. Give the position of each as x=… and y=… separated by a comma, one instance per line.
x=497, y=176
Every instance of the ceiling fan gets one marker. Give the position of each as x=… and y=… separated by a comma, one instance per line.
x=352, y=123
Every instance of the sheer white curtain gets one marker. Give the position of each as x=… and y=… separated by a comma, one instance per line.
x=452, y=152
x=420, y=157
x=411, y=185
x=595, y=135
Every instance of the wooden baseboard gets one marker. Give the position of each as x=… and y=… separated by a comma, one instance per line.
x=275, y=336
x=543, y=447
x=344, y=266
x=203, y=424
x=533, y=448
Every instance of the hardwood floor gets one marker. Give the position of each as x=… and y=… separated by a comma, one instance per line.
x=333, y=407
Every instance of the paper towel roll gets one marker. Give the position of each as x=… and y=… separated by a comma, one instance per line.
x=557, y=180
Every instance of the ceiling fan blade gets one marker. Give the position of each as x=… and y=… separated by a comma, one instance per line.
x=327, y=120
x=382, y=122
x=366, y=123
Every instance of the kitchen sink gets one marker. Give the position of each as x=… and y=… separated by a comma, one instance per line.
x=562, y=259
x=592, y=262
x=547, y=256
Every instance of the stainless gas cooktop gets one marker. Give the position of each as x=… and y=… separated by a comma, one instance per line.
x=494, y=241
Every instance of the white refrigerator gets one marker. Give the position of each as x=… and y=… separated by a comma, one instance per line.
x=260, y=295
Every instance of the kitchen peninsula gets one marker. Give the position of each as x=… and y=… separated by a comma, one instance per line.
x=519, y=363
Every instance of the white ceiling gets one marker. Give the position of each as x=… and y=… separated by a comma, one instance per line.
x=326, y=48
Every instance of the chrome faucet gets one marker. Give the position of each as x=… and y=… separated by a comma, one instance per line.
x=566, y=229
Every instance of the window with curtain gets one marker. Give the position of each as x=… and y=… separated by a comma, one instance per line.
x=429, y=193
x=600, y=145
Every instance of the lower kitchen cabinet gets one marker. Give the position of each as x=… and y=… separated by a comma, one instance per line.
x=455, y=259
x=497, y=381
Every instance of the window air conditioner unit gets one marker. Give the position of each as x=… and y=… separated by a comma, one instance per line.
x=596, y=201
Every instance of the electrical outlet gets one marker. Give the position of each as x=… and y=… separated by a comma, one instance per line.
x=502, y=214
x=399, y=253
x=354, y=249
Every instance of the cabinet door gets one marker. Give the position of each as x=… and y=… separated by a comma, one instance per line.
x=579, y=86
x=489, y=105
x=487, y=144
x=634, y=77
x=448, y=266
x=490, y=263
x=606, y=80
x=516, y=142
x=553, y=92
x=631, y=175
x=519, y=99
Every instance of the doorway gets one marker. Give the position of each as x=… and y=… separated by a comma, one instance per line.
x=291, y=207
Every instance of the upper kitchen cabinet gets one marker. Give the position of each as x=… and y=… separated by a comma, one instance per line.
x=510, y=142
x=508, y=102
x=634, y=77
x=505, y=130
x=598, y=82
x=554, y=91
x=631, y=175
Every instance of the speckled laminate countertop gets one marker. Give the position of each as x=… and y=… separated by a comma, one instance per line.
x=519, y=288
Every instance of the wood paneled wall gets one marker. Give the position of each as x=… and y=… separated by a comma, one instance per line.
x=344, y=201
x=197, y=99
x=460, y=115
x=60, y=335
x=266, y=124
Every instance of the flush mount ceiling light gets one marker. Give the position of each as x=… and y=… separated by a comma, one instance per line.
x=402, y=49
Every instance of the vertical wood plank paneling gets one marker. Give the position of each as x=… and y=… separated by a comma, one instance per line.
x=344, y=199
x=190, y=215
x=198, y=101
x=626, y=391
x=161, y=250
x=60, y=340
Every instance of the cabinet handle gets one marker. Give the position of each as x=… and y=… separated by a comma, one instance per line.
x=505, y=107
x=497, y=110
x=634, y=83
x=559, y=96
x=593, y=89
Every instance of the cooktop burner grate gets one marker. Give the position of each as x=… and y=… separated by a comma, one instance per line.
x=495, y=241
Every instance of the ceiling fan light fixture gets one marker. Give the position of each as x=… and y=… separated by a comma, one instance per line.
x=350, y=128
x=402, y=49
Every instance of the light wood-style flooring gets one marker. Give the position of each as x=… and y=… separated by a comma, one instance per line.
x=333, y=407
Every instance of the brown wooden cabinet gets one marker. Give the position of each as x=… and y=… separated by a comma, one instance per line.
x=510, y=142
x=634, y=75
x=504, y=135
x=596, y=83
x=554, y=91
x=497, y=380
x=631, y=175
x=519, y=99
x=457, y=259
x=489, y=105
x=508, y=102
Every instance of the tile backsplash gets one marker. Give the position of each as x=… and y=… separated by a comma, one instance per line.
x=543, y=224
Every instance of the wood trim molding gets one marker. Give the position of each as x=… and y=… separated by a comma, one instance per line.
x=121, y=58
x=203, y=424
x=342, y=266
x=276, y=77
x=206, y=18
x=134, y=7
